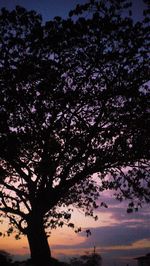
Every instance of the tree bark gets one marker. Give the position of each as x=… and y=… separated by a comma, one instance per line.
x=38, y=243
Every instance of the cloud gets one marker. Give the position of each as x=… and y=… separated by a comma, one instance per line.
x=111, y=236
x=118, y=245
x=118, y=211
x=118, y=236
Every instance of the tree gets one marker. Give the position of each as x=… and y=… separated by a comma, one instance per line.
x=73, y=103
x=93, y=259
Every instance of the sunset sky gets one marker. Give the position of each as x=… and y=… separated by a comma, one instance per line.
x=118, y=237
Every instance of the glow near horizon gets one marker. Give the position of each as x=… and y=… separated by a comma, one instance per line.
x=67, y=237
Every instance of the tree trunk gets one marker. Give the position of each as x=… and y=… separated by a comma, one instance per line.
x=39, y=248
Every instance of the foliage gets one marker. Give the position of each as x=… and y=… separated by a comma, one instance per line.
x=93, y=259
x=74, y=102
x=5, y=260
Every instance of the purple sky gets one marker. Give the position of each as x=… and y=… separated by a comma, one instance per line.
x=48, y=8
x=119, y=237
x=51, y=8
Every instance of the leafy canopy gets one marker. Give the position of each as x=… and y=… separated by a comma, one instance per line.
x=74, y=102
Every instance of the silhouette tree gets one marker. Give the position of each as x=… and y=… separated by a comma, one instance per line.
x=73, y=103
x=93, y=259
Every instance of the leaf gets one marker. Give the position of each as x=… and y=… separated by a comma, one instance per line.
x=88, y=232
x=71, y=225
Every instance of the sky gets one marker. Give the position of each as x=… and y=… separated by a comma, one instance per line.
x=119, y=237
x=48, y=8
x=51, y=8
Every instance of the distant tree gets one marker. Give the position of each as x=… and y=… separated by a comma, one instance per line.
x=74, y=102
x=93, y=259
